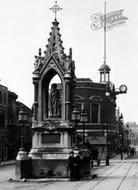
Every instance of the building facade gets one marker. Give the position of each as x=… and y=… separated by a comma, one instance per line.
x=3, y=123
x=100, y=110
x=10, y=131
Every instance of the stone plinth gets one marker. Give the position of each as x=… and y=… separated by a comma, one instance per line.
x=52, y=142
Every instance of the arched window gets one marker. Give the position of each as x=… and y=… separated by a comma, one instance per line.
x=95, y=113
x=95, y=109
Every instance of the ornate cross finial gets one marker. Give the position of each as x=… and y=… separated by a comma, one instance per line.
x=55, y=9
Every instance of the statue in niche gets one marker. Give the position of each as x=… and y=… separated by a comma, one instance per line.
x=54, y=100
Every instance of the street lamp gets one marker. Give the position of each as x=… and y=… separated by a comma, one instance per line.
x=23, y=162
x=121, y=134
x=75, y=118
x=22, y=118
x=83, y=120
x=127, y=138
x=107, y=94
x=130, y=137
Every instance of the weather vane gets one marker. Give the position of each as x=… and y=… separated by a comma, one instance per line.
x=55, y=9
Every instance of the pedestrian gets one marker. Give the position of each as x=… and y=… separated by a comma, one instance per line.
x=71, y=166
x=88, y=144
x=127, y=151
x=77, y=166
x=98, y=159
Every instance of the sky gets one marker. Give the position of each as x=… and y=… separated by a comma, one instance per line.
x=25, y=26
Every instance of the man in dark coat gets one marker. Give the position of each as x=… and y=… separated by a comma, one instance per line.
x=77, y=166
x=72, y=166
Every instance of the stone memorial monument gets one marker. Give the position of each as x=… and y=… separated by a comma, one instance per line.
x=52, y=130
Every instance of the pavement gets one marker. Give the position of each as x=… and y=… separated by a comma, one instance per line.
x=118, y=157
x=112, y=161
x=7, y=162
x=119, y=175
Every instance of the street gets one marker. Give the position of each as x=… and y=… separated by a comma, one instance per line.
x=119, y=175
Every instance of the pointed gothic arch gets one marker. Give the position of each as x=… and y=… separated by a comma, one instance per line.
x=45, y=82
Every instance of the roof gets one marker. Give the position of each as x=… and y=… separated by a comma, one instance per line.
x=104, y=67
x=84, y=80
x=54, y=54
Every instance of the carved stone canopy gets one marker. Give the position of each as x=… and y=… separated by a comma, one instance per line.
x=53, y=62
x=55, y=52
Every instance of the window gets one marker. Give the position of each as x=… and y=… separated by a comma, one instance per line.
x=2, y=120
x=0, y=97
x=95, y=116
x=4, y=98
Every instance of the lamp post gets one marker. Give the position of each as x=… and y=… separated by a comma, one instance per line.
x=107, y=94
x=22, y=118
x=83, y=119
x=23, y=167
x=127, y=138
x=75, y=118
x=121, y=134
x=130, y=137
x=107, y=145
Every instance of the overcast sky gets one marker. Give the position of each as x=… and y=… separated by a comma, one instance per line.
x=25, y=27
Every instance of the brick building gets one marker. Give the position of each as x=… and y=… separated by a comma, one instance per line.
x=3, y=123
x=99, y=100
x=10, y=131
x=100, y=110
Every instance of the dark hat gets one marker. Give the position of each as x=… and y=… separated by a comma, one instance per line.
x=80, y=152
x=71, y=152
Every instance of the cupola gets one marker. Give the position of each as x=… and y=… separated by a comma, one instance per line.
x=104, y=73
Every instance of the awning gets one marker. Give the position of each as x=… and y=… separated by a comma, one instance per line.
x=97, y=140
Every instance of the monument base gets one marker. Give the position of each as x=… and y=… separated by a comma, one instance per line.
x=48, y=164
x=45, y=168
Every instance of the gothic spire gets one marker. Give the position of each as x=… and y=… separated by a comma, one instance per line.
x=55, y=49
x=54, y=45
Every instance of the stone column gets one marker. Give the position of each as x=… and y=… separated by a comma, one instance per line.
x=100, y=77
x=35, y=105
x=67, y=96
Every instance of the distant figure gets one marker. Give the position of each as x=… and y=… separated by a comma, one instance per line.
x=54, y=100
x=94, y=155
x=132, y=151
x=71, y=166
x=87, y=143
